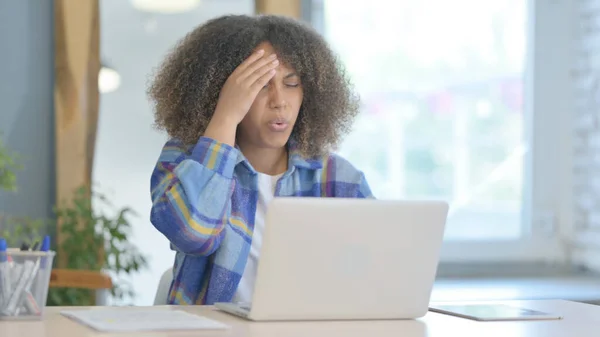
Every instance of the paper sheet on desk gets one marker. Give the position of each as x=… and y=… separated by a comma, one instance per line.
x=130, y=319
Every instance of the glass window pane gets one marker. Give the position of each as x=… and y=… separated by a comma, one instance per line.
x=442, y=90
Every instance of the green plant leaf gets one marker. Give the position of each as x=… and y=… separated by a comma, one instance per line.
x=85, y=232
x=8, y=168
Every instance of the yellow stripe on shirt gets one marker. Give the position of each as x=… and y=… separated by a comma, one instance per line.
x=212, y=161
x=195, y=225
x=239, y=223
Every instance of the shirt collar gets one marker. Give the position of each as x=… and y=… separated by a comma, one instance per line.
x=295, y=158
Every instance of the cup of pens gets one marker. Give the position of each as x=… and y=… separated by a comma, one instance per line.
x=24, y=280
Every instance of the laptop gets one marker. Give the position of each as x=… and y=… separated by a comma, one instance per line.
x=342, y=259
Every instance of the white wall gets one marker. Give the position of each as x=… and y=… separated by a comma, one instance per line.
x=586, y=135
x=127, y=146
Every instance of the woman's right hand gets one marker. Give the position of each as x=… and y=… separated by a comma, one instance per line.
x=238, y=94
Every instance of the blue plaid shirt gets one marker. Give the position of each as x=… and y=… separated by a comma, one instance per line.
x=204, y=201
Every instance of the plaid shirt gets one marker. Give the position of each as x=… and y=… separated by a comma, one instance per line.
x=204, y=201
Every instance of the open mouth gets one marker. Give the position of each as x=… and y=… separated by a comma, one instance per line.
x=278, y=126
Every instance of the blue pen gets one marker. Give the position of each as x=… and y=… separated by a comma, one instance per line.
x=5, y=280
x=45, y=244
x=41, y=282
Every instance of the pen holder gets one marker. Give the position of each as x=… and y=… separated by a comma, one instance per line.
x=24, y=281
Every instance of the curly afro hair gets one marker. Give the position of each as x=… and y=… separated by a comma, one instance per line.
x=186, y=86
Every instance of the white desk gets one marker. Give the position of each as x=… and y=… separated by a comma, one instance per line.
x=580, y=320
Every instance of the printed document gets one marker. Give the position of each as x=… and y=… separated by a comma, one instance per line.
x=141, y=319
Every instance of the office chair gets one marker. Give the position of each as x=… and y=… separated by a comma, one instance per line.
x=162, y=292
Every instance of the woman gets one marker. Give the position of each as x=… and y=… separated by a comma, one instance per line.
x=253, y=106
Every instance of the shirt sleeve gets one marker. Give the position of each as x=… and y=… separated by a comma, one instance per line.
x=191, y=194
x=341, y=179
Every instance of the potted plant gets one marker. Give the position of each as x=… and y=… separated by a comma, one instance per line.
x=96, y=241
x=90, y=239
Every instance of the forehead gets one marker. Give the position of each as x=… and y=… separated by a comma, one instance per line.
x=284, y=67
x=266, y=46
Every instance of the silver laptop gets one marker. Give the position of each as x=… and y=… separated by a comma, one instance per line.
x=337, y=259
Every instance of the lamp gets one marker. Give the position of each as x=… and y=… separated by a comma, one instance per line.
x=109, y=79
x=165, y=6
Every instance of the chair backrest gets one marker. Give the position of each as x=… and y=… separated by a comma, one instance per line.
x=162, y=292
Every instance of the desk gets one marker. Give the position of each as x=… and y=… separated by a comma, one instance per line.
x=581, y=320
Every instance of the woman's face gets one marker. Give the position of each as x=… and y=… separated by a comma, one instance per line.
x=272, y=116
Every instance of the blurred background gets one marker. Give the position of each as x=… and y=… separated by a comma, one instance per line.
x=490, y=105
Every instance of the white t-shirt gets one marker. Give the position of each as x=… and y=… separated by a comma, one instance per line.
x=266, y=192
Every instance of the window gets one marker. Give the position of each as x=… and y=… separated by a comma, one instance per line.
x=445, y=115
